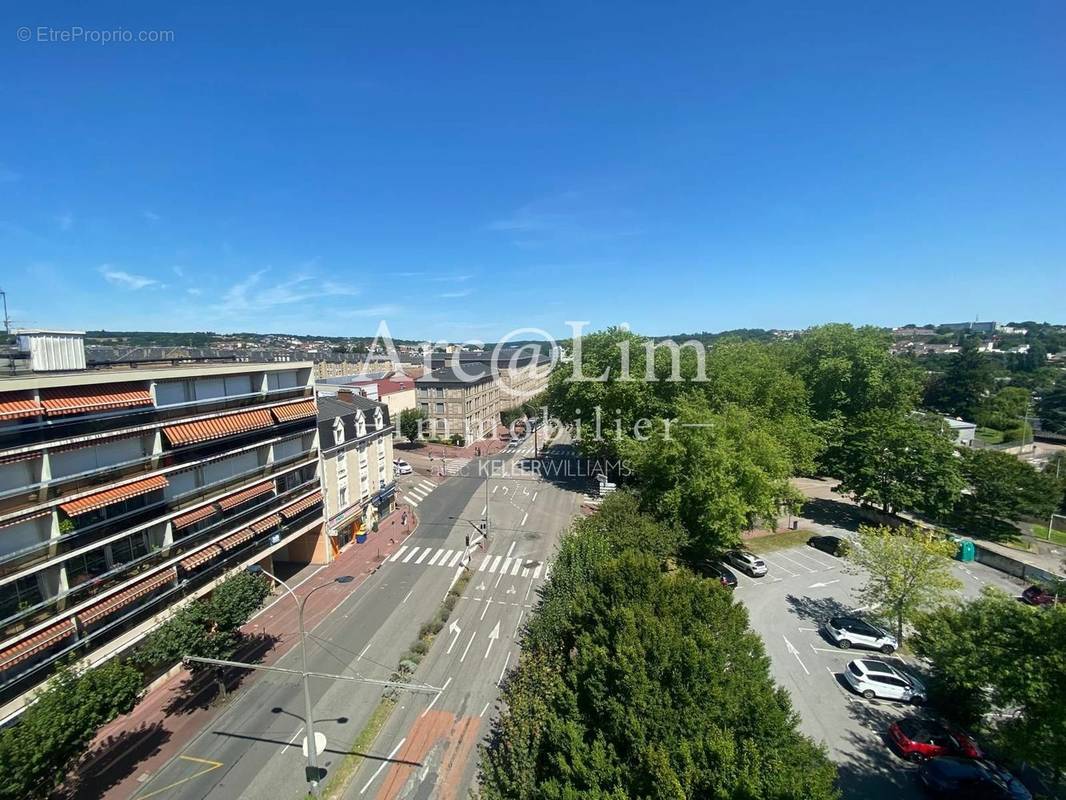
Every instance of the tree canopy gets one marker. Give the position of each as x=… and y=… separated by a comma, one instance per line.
x=1053, y=407
x=638, y=683
x=411, y=423
x=963, y=387
x=1003, y=488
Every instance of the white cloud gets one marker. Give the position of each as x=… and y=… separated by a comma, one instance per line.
x=373, y=311
x=193, y=291
x=250, y=295
x=460, y=293
x=127, y=280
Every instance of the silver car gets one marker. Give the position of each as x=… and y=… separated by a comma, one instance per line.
x=747, y=562
x=846, y=632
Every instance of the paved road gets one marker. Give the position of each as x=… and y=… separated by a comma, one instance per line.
x=433, y=741
x=252, y=750
x=786, y=607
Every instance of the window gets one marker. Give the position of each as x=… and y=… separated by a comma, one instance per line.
x=19, y=595
x=342, y=497
x=438, y=408
x=338, y=431
x=130, y=549
x=88, y=565
x=360, y=424
x=379, y=419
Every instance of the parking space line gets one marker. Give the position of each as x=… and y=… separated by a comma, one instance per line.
x=797, y=563
x=775, y=565
x=805, y=555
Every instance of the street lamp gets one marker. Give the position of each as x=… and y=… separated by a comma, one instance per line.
x=309, y=725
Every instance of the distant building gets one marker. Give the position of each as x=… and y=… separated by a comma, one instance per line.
x=973, y=327
x=913, y=332
x=964, y=431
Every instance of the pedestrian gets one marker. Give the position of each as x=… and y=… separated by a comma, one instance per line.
x=403, y=519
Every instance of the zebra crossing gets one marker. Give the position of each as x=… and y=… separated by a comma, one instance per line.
x=492, y=564
x=454, y=466
x=414, y=495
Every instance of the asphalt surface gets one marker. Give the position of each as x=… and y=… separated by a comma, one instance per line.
x=786, y=607
x=253, y=749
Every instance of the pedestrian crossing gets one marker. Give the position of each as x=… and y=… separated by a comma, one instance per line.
x=454, y=466
x=413, y=495
x=491, y=564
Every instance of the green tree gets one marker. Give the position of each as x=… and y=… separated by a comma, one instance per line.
x=207, y=628
x=962, y=388
x=635, y=683
x=908, y=571
x=1053, y=407
x=899, y=462
x=716, y=474
x=1003, y=488
x=39, y=750
x=411, y=424
x=995, y=654
x=1006, y=410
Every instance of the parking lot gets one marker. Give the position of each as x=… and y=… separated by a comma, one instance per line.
x=802, y=589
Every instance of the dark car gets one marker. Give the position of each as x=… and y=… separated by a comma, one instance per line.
x=712, y=569
x=970, y=778
x=1039, y=596
x=920, y=739
x=833, y=545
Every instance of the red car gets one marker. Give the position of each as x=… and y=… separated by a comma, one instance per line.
x=920, y=739
x=1038, y=596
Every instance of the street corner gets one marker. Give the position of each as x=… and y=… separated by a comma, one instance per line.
x=175, y=777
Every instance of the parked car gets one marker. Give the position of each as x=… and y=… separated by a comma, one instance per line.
x=973, y=779
x=747, y=561
x=712, y=569
x=833, y=545
x=401, y=467
x=921, y=739
x=846, y=632
x=877, y=679
x=1039, y=596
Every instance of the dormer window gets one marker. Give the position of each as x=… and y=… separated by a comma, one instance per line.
x=379, y=420
x=360, y=424
x=338, y=431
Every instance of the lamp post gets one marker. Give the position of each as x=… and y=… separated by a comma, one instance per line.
x=309, y=724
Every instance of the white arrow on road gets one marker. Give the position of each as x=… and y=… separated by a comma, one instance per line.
x=792, y=649
x=823, y=585
x=455, y=630
x=493, y=636
x=481, y=588
x=512, y=590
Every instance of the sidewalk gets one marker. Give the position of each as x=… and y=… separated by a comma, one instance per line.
x=133, y=747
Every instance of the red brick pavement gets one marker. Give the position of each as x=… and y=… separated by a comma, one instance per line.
x=166, y=720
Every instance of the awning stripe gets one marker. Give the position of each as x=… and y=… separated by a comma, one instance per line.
x=247, y=494
x=305, y=408
x=79, y=399
x=41, y=640
x=217, y=427
x=294, y=509
x=19, y=520
x=113, y=495
x=192, y=517
x=235, y=540
x=14, y=407
x=127, y=596
x=201, y=557
x=266, y=524
x=25, y=455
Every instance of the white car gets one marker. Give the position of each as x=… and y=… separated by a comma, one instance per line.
x=748, y=562
x=846, y=632
x=401, y=467
x=877, y=679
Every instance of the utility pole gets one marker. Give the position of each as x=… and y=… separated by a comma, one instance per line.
x=7, y=319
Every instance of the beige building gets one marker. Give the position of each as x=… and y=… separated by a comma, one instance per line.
x=356, y=465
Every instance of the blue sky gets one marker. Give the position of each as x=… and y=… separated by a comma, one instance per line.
x=464, y=169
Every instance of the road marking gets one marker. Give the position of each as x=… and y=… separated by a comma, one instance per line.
x=511, y=549
x=809, y=630
x=484, y=564
x=494, y=488
x=779, y=554
x=210, y=766
x=495, y=563
x=529, y=589
x=382, y=766
x=422, y=557
x=488, y=602
x=437, y=555
x=792, y=649
x=406, y=596
x=823, y=584
x=455, y=558
x=363, y=651
x=427, y=486
x=486, y=708
x=483, y=510
x=436, y=697
x=410, y=555
x=517, y=566
x=417, y=494
x=398, y=553
x=455, y=630
x=467, y=648
x=534, y=498
x=411, y=502
x=536, y=572
x=524, y=518
x=493, y=636
x=504, y=670
x=519, y=624
x=778, y=566
x=506, y=565
x=525, y=572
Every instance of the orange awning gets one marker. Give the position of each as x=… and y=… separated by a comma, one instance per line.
x=99, y=397
x=192, y=517
x=12, y=406
x=247, y=494
x=294, y=509
x=114, y=495
x=126, y=596
x=266, y=524
x=305, y=408
x=200, y=557
x=41, y=640
x=235, y=540
x=205, y=430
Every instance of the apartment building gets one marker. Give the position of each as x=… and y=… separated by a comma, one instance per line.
x=356, y=465
x=396, y=391
x=124, y=491
x=466, y=391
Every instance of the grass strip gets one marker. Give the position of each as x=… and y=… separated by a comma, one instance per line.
x=777, y=541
